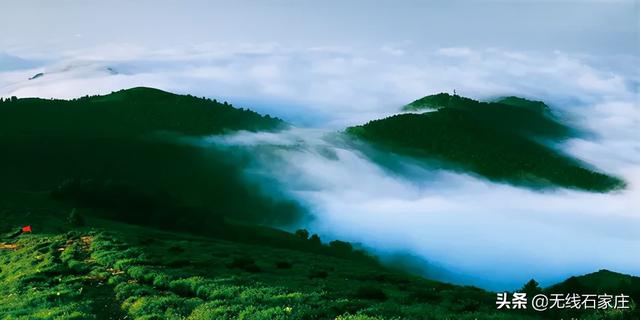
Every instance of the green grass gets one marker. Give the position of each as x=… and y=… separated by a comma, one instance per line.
x=501, y=141
x=108, y=268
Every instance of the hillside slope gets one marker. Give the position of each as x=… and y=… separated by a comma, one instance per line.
x=501, y=141
x=139, y=138
x=601, y=282
x=109, y=270
x=78, y=266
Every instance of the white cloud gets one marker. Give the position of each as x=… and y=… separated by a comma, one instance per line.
x=340, y=83
x=498, y=233
x=394, y=51
x=455, y=52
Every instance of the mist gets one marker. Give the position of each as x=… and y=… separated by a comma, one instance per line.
x=465, y=229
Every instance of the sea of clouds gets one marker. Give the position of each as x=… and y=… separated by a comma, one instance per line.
x=492, y=235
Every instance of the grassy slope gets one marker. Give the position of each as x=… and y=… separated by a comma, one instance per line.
x=109, y=269
x=498, y=140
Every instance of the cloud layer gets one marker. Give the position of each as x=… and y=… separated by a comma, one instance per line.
x=337, y=86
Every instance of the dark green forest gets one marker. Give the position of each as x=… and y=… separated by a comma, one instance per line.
x=510, y=140
x=128, y=113
x=131, y=139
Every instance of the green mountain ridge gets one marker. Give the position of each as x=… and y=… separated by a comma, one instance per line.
x=600, y=282
x=130, y=138
x=533, y=105
x=508, y=114
x=505, y=141
x=434, y=102
x=128, y=113
x=444, y=100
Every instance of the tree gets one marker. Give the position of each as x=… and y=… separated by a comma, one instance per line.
x=341, y=246
x=315, y=240
x=302, y=233
x=531, y=288
x=75, y=219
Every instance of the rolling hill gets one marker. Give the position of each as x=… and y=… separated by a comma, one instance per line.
x=134, y=142
x=128, y=113
x=600, y=282
x=510, y=140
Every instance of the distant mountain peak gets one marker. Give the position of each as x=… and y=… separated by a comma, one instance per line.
x=434, y=102
x=112, y=71
x=446, y=100
x=532, y=105
x=37, y=75
x=141, y=90
x=513, y=114
x=502, y=140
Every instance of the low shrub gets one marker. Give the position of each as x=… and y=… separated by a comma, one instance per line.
x=370, y=293
x=178, y=263
x=318, y=274
x=176, y=249
x=244, y=263
x=283, y=265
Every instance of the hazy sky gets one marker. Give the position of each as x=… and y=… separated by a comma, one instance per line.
x=572, y=26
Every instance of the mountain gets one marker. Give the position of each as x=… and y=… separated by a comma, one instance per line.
x=509, y=140
x=601, y=282
x=532, y=105
x=36, y=76
x=128, y=113
x=511, y=114
x=434, y=102
x=136, y=145
x=444, y=100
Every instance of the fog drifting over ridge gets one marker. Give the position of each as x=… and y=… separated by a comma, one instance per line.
x=499, y=234
x=492, y=235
